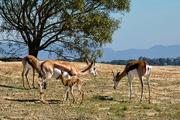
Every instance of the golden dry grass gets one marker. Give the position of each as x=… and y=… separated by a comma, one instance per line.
x=101, y=100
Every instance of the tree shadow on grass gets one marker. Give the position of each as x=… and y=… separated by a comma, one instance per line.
x=20, y=88
x=107, y=98
x=20, y=100
x=54, y=101
x=6, y=86
x=35, y=101
x=103, y=98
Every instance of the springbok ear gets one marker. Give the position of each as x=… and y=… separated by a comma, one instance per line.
x=118, y=73
x=113, y=73
x=92, y=63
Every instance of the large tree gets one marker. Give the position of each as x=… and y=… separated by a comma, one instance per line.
x=76, y=27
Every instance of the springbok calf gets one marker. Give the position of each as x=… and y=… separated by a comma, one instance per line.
x=134, y=69
x=30, y=62
x=70, y=83
x=51, y=68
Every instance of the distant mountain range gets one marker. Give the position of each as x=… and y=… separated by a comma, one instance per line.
x=157, y=51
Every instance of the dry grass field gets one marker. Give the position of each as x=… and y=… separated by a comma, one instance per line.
x=101, y=101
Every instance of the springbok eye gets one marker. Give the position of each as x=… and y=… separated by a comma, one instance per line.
x=94, y=69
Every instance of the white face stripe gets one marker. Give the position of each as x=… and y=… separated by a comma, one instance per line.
x=93, y=71
x=116, y=83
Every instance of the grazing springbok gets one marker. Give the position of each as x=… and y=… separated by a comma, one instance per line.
x=70, y=83
x=30, y=62
x=51, y=68
x=134, y=69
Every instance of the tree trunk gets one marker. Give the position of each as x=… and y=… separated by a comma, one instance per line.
x=33, y=47
x=32, y=51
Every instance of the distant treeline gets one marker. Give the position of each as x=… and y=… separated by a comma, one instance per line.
x=154, y=61
x=11, y=59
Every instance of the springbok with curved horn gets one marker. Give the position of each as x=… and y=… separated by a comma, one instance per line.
x=50, y=68
x=134, y=69
x=30, y=62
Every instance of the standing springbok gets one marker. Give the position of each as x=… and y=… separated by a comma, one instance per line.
x=134, y=69
x=70, y=83
x=53, y=68
x=30, y=62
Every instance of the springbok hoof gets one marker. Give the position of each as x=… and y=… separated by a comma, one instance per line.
x=141, y=101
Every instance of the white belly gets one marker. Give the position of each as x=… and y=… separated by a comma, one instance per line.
x=56, y=73
x=133, y=73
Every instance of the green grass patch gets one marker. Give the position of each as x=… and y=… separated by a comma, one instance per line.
x=102, y=98
x=146, y=106
x=170, y=115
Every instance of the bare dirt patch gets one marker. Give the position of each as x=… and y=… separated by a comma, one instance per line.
x=101, y=100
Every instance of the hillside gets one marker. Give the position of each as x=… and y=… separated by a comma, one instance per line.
x=101, y=100
x=109, y=54
x=158, y=51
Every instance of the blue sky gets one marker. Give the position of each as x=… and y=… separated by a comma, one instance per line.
x=149, y=23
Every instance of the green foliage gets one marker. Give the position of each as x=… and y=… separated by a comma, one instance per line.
x=79, y=27
x=102, y=98
x=146, y=106
x=168, y=115
x=154, y=61
x=161, y=61
x=119, y=62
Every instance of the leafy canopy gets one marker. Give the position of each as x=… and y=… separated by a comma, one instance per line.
x=66, y=27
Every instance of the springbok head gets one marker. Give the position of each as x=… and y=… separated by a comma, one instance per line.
x=116, y=83
x=93, y=68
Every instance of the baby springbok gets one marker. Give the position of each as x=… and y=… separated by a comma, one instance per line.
x=70, y=83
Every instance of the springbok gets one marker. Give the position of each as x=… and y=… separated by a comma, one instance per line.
x=30, y=62
x=54, y=68
x=134, y=69
x=70, y=83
